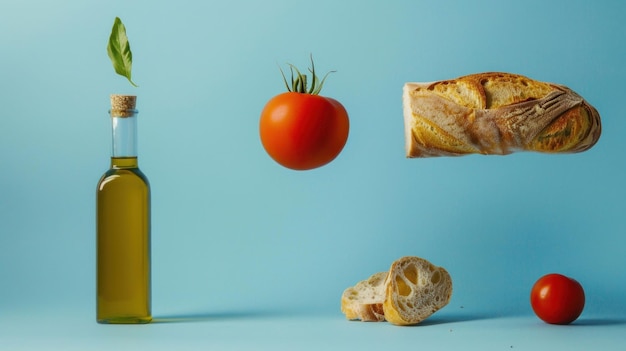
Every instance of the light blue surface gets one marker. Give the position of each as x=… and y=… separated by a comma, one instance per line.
x=311, y=332
x=245, y=248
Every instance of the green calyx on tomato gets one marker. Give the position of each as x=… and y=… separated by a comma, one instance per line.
x=299, y=84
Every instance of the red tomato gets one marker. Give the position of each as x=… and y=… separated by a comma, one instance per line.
x=300, y=129
x=557, y=299
x=303, y=131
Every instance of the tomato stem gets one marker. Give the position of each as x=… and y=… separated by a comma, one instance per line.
x=299, y=83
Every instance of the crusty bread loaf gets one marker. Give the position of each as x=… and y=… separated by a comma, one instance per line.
x=496, y=113
x=412, y=290
x=364, y=301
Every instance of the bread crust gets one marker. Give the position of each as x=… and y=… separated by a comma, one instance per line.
x=496, y=113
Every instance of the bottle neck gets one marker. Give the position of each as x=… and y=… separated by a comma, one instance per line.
x=124, y=134
x=124, y=139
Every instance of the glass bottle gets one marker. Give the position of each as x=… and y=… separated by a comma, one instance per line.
x=123, y=226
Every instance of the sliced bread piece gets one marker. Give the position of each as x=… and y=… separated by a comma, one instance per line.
x=414, y=290
x=364, y=301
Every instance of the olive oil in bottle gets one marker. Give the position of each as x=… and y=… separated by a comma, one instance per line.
x=123, y=226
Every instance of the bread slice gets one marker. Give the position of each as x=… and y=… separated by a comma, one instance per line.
x=414, y=290
x=496, y=113
x=364, y=301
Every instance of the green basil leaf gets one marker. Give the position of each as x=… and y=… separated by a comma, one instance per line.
x=119, y=50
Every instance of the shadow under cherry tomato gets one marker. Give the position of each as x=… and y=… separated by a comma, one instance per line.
x=599, y=322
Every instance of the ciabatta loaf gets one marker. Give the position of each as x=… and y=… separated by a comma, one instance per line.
x=412, y=290
x=364, y=301
x=496, y=113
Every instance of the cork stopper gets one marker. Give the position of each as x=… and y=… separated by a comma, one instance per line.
x=123, y=105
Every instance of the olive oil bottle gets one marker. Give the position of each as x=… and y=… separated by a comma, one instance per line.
x=123, y=226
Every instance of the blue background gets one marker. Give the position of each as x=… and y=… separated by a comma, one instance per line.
x=235, y=234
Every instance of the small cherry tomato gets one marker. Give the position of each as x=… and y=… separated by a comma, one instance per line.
x=557, y=299
x=300, y=129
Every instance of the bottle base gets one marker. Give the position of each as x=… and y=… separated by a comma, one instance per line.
x=125, y=320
